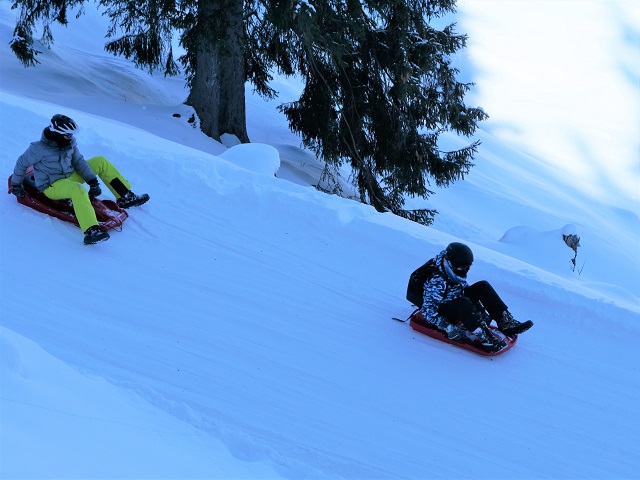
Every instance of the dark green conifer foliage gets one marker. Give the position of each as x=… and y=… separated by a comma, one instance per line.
x=379, y=90
x=147, y=28
x=31, y=13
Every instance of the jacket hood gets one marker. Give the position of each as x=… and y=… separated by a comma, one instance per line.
x=44, y=139
x=53, y=143
x=447, y=271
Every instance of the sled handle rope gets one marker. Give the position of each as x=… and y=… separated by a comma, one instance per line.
x=406, y=319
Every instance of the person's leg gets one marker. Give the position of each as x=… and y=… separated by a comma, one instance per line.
x=482, y=292
x=110, y=176
x=68, y=188
x=117, y=184
x=462, y=310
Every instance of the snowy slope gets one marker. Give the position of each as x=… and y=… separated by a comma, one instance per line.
x=239, y=325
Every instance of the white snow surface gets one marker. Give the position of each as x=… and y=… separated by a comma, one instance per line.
x=239, y=326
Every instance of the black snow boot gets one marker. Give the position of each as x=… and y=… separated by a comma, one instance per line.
x=130, y=199
x=94, y=235
x=510, y=326
x=454, y=332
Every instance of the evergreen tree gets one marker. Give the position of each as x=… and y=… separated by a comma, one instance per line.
x=211, y=31
x=31, y=13
x=379, y=90
x=379, y=87
x=215, y=63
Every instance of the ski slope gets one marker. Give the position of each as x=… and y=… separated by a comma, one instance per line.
x=239, y=324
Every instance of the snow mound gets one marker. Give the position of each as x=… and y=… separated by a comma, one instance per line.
x=544, y=249
x=255, y=157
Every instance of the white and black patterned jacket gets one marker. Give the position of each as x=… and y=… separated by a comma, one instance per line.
x=441, y=287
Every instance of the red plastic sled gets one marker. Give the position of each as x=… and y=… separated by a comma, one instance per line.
x=419, y=324
x=108, y=213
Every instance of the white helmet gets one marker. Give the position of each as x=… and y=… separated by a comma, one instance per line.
x=63, y=125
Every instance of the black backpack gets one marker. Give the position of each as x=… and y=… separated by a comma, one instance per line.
x=415, y=289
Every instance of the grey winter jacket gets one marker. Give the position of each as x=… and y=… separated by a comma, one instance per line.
x=51, y=163
x=442, y=287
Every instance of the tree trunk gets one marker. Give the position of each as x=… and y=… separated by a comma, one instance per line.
x=217, y=90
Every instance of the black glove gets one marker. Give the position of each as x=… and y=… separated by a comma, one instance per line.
x=17, y=190
x=94, y=188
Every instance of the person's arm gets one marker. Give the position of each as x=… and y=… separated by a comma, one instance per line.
x=81, y=166
x=24, y=161
x=434, y=291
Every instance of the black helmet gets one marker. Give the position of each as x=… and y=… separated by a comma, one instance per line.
x=459, y=255
x=63, y=125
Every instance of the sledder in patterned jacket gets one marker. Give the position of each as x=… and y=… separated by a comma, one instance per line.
x=456, y=307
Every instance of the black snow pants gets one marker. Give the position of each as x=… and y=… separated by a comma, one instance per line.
x=466, y=309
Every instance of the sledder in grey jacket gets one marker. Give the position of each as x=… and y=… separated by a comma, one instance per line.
x=51, y=163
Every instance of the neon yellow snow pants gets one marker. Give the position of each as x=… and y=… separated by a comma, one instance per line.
x=73, y=188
